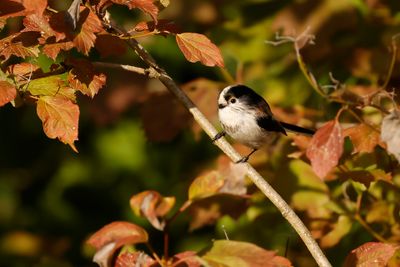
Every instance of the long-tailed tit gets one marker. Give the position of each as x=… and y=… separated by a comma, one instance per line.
x=247, y=118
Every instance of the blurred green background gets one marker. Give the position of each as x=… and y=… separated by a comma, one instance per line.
x=52, y=199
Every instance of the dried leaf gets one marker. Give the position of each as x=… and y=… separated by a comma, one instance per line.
x=197, y=47
x=113, y=236
x=235, y=253
x=24, y=71
x=152, y=206
x=7, y=92
x=89, y=25
x=163, y=26
x=60, y=118
x=371, y=254
x=390, y=133
x=326, y=148
x=37, y=6
x=12, y=8
x=134, y=259
x=53, y=49
x=84, y=78
x=363, y=137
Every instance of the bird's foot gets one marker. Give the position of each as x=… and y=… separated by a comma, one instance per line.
x=218, y=136
x=242, y=160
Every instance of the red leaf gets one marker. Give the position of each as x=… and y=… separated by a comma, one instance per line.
x=163, y=26
x=121, y=233
x=187, y=258
x=152, y=205
x=60, y=118
x=325, y=148
x=7, y=92
x=52, y=50
x=89, y=25
x=84, y=78
x=113, y=236
x=197, y=47
x=145, y=5
x=371, y=254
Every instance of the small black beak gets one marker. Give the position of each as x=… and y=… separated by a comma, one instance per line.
x=221, y=106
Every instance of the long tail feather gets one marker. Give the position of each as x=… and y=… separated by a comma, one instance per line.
x=297, y=129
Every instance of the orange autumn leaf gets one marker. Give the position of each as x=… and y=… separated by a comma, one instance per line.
x=7, y=92
x=325, y=148
x=363, y=137
x=60, y=118
x=146, y=6
x=90, y=24
x=197, y=47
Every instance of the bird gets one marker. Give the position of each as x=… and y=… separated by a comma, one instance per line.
x=246, y=117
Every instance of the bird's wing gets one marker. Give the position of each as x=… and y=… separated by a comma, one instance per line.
x=269, y=124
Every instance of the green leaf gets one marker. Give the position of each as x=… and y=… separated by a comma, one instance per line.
x=51, y=86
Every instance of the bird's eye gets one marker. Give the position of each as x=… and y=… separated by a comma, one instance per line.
x=232, y=100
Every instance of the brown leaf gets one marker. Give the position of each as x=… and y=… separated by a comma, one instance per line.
x=371, y=254
x=363, y=137
x=134, y=259
x=325, y=148
x=146, y=6
x=171, y=116
x=197, y=47
x=390, y=133
x=113, y=236
x=84, y=78
x=60, y=118
x=7, y=92
x=89, y=24
x=109, y=45
x=152, y=206
x=40, y=23
x=53, y=49
x=235, y=253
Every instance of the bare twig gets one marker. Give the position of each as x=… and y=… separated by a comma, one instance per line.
x=257, y=179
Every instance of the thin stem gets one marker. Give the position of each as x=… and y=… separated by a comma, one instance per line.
x=167, y=224
x=154, y=254
x=364, y=224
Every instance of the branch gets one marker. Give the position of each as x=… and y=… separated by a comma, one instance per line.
x=257, y=179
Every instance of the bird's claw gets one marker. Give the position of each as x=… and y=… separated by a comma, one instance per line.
x=242, y=160
x=218, y=136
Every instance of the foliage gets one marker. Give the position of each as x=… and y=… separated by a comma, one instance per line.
x=341, y=80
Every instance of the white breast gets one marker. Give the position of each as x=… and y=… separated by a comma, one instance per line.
x=242, y=126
